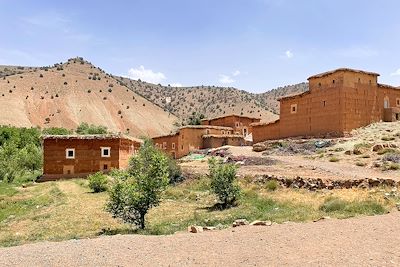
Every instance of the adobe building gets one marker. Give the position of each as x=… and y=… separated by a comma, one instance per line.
x=195, y=137
x=240, y=124
x=71, y=156
x=337, y=102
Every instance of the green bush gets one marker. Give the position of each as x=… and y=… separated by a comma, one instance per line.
x=84, y=129
x=98, y=182
x=223, y=182
x=139, y=189
x=20, y=153
x=272, y=185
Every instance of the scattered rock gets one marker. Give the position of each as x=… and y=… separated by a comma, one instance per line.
x=209, y=228
x=398, y=206
x=259, y=147
x=195, y=229
x=347, y=152
x=262, y=223
x=240, y=222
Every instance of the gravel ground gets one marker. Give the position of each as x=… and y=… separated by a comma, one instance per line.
x=366, y=241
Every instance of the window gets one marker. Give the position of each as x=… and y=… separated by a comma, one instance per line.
x=333, y=81
x=324, y=103
x=293, y=108
x=105, y=152
x=165, y=145
x=245, y=131
x=236, y=124
x=173, y=145
x=70, y=153
x=207, y=131
x=398, y=102
x=359, y=80
x=105, y=167
x=182, y=147
x=222, y=132
x=319, y=84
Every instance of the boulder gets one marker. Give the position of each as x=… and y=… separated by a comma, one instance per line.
x=259, y=147
x=195, y=229
x=261, y=223
x=240, y=222
x=377, y=147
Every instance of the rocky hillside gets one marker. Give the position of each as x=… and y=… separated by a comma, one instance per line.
x=213, y=101
x=67, y=94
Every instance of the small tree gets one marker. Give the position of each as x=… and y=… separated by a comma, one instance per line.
x=223, y=182
x=97, y=182
x=139, y=188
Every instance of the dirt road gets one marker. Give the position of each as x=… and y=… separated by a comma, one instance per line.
x=367, y=241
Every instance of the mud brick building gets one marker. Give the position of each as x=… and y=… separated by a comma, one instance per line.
x=240, y=124
x=194, y=137
x=70, y=156
x=337, y=102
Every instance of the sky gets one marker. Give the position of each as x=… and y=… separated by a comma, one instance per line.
x=254, y=45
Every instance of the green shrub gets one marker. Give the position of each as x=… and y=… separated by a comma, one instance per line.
x=334, y=159
x=223, y=182
x=139, y=188
x=97, y=182
x=272, y=185
x=333, y=204
x=84, y=129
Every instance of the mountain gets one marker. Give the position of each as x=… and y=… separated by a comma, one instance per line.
x=69, y=93
x=213, y=101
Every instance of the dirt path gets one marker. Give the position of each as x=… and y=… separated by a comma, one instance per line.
x=367, y=241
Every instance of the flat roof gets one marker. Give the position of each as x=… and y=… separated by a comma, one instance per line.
x=293, y=96
x=206, y=127
x=92, y=137
x=264, y=123
x=223, y=136
x=230, y=115
x=320, y=75
x=388, y=86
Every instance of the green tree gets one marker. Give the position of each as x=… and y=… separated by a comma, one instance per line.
x=56, y=131
x=223, y=182
x=195, y=118
x=84, y=129
x=139, y=188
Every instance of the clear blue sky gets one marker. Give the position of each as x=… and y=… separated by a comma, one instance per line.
x=255, y=45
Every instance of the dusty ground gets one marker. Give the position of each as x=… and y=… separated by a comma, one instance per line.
x=367, y=241
x=317, y=164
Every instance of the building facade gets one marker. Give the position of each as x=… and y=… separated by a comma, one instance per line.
x=337, y=102
x=240, y=124
x=71, y=156
x=190, y=138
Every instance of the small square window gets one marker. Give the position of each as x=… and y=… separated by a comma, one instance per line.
x=293, y=108
x=222, y=132
x=333, y=81
x=70, y=153
x=165, y=145
x=105, y=152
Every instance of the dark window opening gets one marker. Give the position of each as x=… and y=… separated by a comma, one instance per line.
x=70, y=153
x=319, y=84
x=105, y=167
x=105, y=152
x=69, y=172
x=324, y=103
x=333, y=81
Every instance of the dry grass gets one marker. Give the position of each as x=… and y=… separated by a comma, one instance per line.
x=66, y=209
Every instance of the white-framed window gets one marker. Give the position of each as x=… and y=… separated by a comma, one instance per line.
x=237, y=124
x=70, y=153
x=165, y=145
x=222, y=132
x=173, y=145
x=105, y=152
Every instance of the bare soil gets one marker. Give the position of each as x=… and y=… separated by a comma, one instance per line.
x=366, y=241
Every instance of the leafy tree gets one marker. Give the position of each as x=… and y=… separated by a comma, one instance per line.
x=139, y=188
x=84, y=129
x=223, y=182
x=195, y=118
x=56, y=131
x=97, y=182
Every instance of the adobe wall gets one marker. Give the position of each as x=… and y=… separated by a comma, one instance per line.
x=127, y=148
x=238, y=123
x=87, y=156
x=165, y=143
x=214, y=142
x=262, y=132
